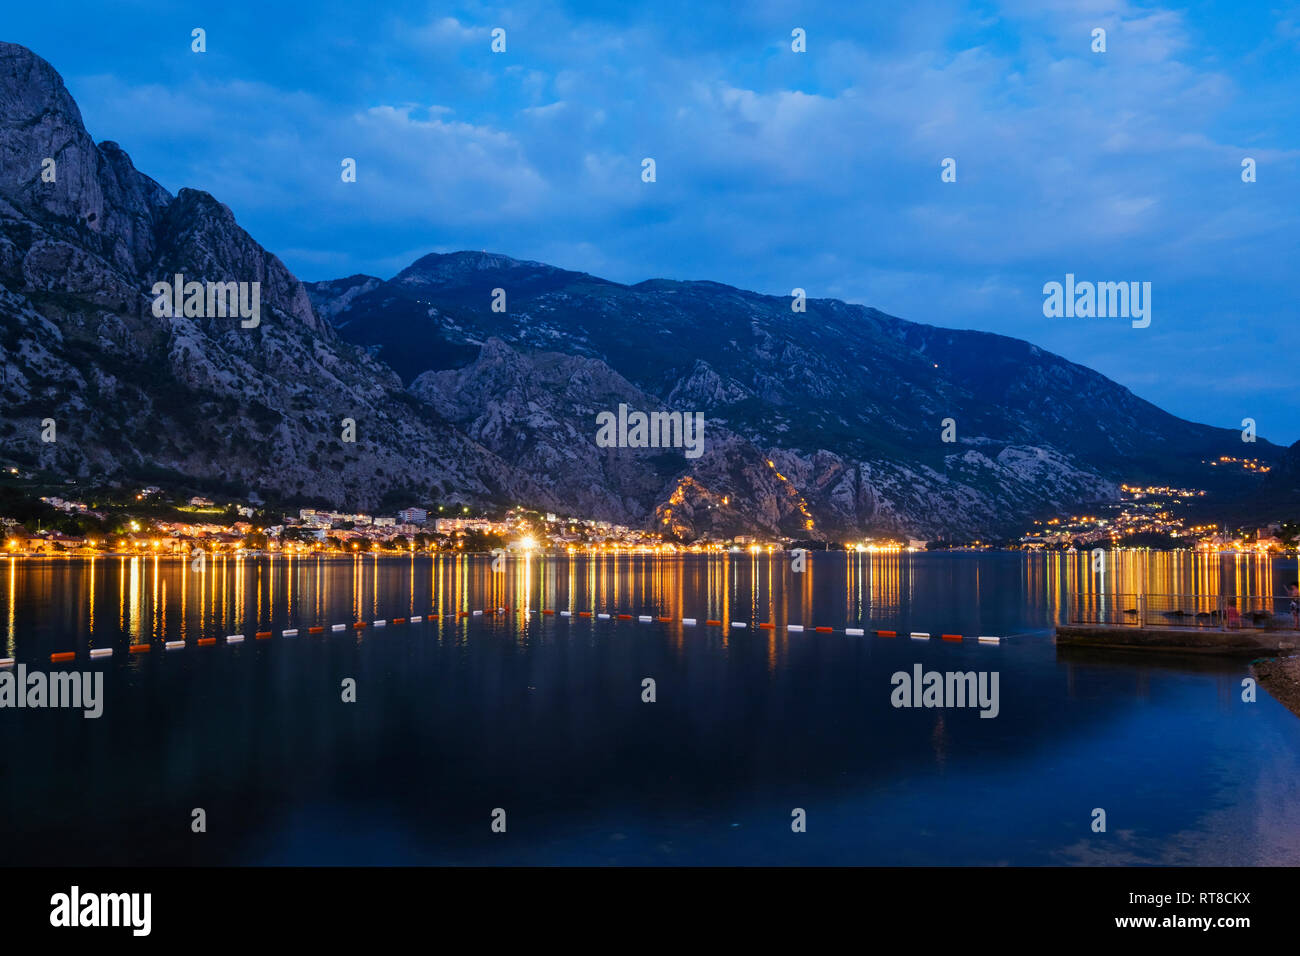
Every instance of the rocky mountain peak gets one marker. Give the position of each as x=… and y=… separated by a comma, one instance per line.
x=200, y=239
x=85, y=221
x=438, y=265
x=472, y=272
x=39, y=120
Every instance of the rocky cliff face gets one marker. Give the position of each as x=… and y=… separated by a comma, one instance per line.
x=539, y=411
x=80, y=219
x=198, y=398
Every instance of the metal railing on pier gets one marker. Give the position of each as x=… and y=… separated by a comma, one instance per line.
x=1112, y=609
x=1216, y=611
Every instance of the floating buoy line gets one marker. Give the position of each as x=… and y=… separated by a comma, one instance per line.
x=96, y=653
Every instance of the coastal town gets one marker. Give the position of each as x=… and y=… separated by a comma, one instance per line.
x=409, y=530
x=149, y=520
x=1156, y=516
x=202, y=523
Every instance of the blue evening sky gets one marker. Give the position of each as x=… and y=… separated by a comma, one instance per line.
x=775, y=169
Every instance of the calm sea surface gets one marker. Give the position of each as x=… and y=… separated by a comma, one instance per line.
x=542, y=716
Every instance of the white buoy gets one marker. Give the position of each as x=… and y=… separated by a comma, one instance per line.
x=338, y=627
x=101, y=652
x=566, y=614
x=645, y=618
x=854, y=631
x=990, y=640
x=477, y=613
x=603, y=617
x=380, y=623
x=920, y=636
x=739, y=624
x=690, y=621
x=290, y=632
x=794, y=627
x=234, y=638
x=417, y=620
x=174, y=645
x=6, y=662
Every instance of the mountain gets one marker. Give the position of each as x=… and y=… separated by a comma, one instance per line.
x=1278, y=494
x=200, y=400
x=824, y=423
x=848, y=404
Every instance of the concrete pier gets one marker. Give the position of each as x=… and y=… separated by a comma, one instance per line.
x=1245, y=641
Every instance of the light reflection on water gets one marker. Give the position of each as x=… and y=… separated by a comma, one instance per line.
x=543, y=715
x=101, y=601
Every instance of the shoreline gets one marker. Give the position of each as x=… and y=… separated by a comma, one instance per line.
x=1206, y=641
x=1281, y=678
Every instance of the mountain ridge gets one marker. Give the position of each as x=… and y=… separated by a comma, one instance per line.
x=864, y=393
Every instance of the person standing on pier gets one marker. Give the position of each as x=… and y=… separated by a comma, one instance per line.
x=1232, y=615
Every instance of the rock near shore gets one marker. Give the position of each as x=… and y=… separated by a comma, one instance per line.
x=1281, y=678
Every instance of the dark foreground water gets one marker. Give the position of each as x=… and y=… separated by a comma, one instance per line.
x=542, y=716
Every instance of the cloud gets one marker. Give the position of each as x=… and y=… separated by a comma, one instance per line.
x=444, y=30
x=446, y=168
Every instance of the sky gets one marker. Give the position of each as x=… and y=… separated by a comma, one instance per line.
x=774, y=169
